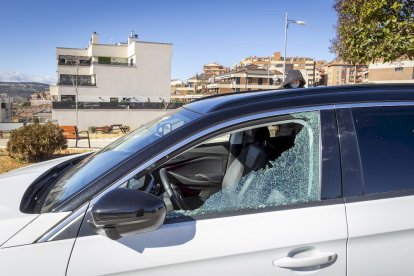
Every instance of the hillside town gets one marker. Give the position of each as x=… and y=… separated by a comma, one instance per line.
x=109, y=85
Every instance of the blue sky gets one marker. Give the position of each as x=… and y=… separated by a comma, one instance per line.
x=201, y=31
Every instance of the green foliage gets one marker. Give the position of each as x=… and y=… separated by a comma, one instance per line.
x=92, y=129
x=374, y=30
x=36, y=142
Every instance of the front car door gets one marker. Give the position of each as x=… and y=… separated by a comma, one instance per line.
x=287, y=216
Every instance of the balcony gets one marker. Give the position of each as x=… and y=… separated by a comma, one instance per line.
x=79, y=84
x=79, y=80
x=70, y=63
x=74, y=60
x=112, y=63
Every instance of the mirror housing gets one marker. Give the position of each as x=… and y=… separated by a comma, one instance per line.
x=123, y=212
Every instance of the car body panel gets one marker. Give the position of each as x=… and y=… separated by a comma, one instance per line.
x=381, y=236
x=236, y=245
x=50, y=258
x=40, y=225
x=12, y=187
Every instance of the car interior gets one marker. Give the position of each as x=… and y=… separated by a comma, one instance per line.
x=188, y=180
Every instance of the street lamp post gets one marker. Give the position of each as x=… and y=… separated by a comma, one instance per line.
x=76, y=92
x=287, y=21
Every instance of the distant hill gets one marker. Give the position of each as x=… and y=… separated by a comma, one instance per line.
x=22, y=89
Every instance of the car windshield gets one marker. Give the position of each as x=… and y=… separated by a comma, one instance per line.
x=91, y=168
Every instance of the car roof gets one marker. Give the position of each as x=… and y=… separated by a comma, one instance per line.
x=305, y=97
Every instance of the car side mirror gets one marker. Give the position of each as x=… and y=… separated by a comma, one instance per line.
x=123, y=212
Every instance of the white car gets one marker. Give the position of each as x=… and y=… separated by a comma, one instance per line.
x=316, y=181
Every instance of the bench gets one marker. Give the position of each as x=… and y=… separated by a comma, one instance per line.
x=71, y=132
x=104, y=129
x=111, y=128
x=120, y=127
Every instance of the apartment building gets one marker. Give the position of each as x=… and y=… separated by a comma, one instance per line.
x=112, y=83
x=276, y=62
x=5, y=108
x=342, y=73
x=194, y=88
x=133, y=70
x=245, y=78
x=40, y=99
x=394, y=72
x=214, y=69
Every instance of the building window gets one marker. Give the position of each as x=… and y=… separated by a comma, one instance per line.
x=104, y=60
x=67, y=98
x=398, y=69
x=3, y=105
x=80, y=80
x=260, y=81
x=249, y=80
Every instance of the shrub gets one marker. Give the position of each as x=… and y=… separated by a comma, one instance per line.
x=92, y=129
x=36, y=142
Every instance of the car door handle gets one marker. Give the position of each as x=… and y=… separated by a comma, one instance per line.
x=320, y=258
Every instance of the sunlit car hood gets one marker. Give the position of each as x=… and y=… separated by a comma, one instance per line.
x=12, y=188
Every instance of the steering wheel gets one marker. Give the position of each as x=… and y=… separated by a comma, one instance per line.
x=173, y=192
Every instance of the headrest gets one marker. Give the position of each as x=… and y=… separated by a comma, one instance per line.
x=260, y=134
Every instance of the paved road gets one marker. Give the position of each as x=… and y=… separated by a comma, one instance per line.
x=95, y=143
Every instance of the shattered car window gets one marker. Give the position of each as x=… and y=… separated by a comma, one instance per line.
x=291, y=178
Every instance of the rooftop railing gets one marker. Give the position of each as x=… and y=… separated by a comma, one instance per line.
x=116, y=105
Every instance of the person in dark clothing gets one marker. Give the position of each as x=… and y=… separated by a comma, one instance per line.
x=294, y=79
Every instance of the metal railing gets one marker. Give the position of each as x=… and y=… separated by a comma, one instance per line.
x=118, y=105
x=89, y=63
x=79, y=83
x=113, y=63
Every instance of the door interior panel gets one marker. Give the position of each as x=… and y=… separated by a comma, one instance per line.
x=200, y=169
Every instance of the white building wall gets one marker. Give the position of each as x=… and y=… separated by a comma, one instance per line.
x=101, y=117
x=6, y=112
x=71, y=70
x=3, y=114
x=153, y=69
x=71, y=52
x=102, y=50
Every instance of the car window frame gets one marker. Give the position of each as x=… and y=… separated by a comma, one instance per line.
x=351, y=165
x=221, y=128
x=326, y=198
